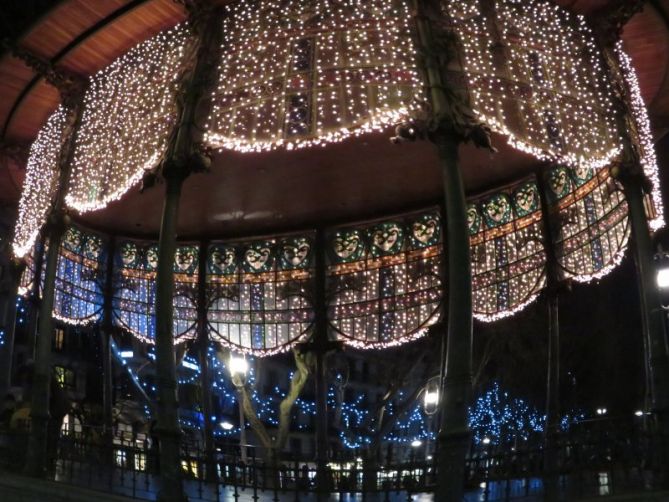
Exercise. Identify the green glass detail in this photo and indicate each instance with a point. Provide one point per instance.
(258, 257)
(526, 199)
(152, 258)
(129, 254)
(473, 219)
(582, 175)
(425, 231)
(295, 253)
(185, 260)
(386, 239)
(497, 210)
(222, 260)
(348, 246)
(559, 182)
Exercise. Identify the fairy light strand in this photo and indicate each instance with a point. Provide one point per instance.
(301, 74)
(41, 183)
(129, 112)
(645, 139)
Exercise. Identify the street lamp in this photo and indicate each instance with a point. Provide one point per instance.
(239, 367)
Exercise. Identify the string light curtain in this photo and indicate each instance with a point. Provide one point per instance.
(507, 250)
(592, 222)
(535, 74)
(302, 72)
(41, 183)
(644, 138)
(135, 290)
(260, 293)
(384, 281)
(130, 109)
(80, 276)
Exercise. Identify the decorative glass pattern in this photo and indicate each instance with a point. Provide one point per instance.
(259, 293)
(80, 278)
(295, 72)
(590, 212)
(534, 73)
(384, 281)
(507, 251)
(135, 290)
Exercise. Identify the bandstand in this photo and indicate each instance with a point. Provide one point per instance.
(260, 176)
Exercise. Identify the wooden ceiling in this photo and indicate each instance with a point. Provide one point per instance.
(258, 193)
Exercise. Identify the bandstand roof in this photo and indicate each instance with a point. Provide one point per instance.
(252, 193)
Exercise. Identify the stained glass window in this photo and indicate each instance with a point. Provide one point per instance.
(590, 212)
(534, 73)
(80, 274)
(135, 290)
(507, 251)
(296, 72)
(384, 282)
(259, 293)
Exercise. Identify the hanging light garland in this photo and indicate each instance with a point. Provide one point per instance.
(130, 109)
(541, 83)
(645, 136)
(41, 183)
(296, 74)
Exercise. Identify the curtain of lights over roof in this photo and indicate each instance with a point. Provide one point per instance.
(507, 251)
(535, 74)
(129, 112)
(384, 281)
(259, 293)
(135, 290)
(40, 183)
(304, 72)
(590, 212)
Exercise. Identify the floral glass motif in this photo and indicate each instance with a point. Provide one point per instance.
(135, 290)
(590, 213)
(259, 293)
(507, 251)
(78, 296)
(301, 72)
(533, 72)
(384, 281)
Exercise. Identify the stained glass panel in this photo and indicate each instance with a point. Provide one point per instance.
(259, 293)
(135, 290)
(296, 72)
(590, 212)
(507, 251)
(534, 73)
(80, 274)
(384, 282)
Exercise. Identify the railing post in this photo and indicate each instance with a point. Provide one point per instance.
(57, 221)
(184, 156)
(203, 348)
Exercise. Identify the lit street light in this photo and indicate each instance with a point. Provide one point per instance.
(239, 367)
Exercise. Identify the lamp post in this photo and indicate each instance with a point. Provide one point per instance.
(239, 367)
(431, 406)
